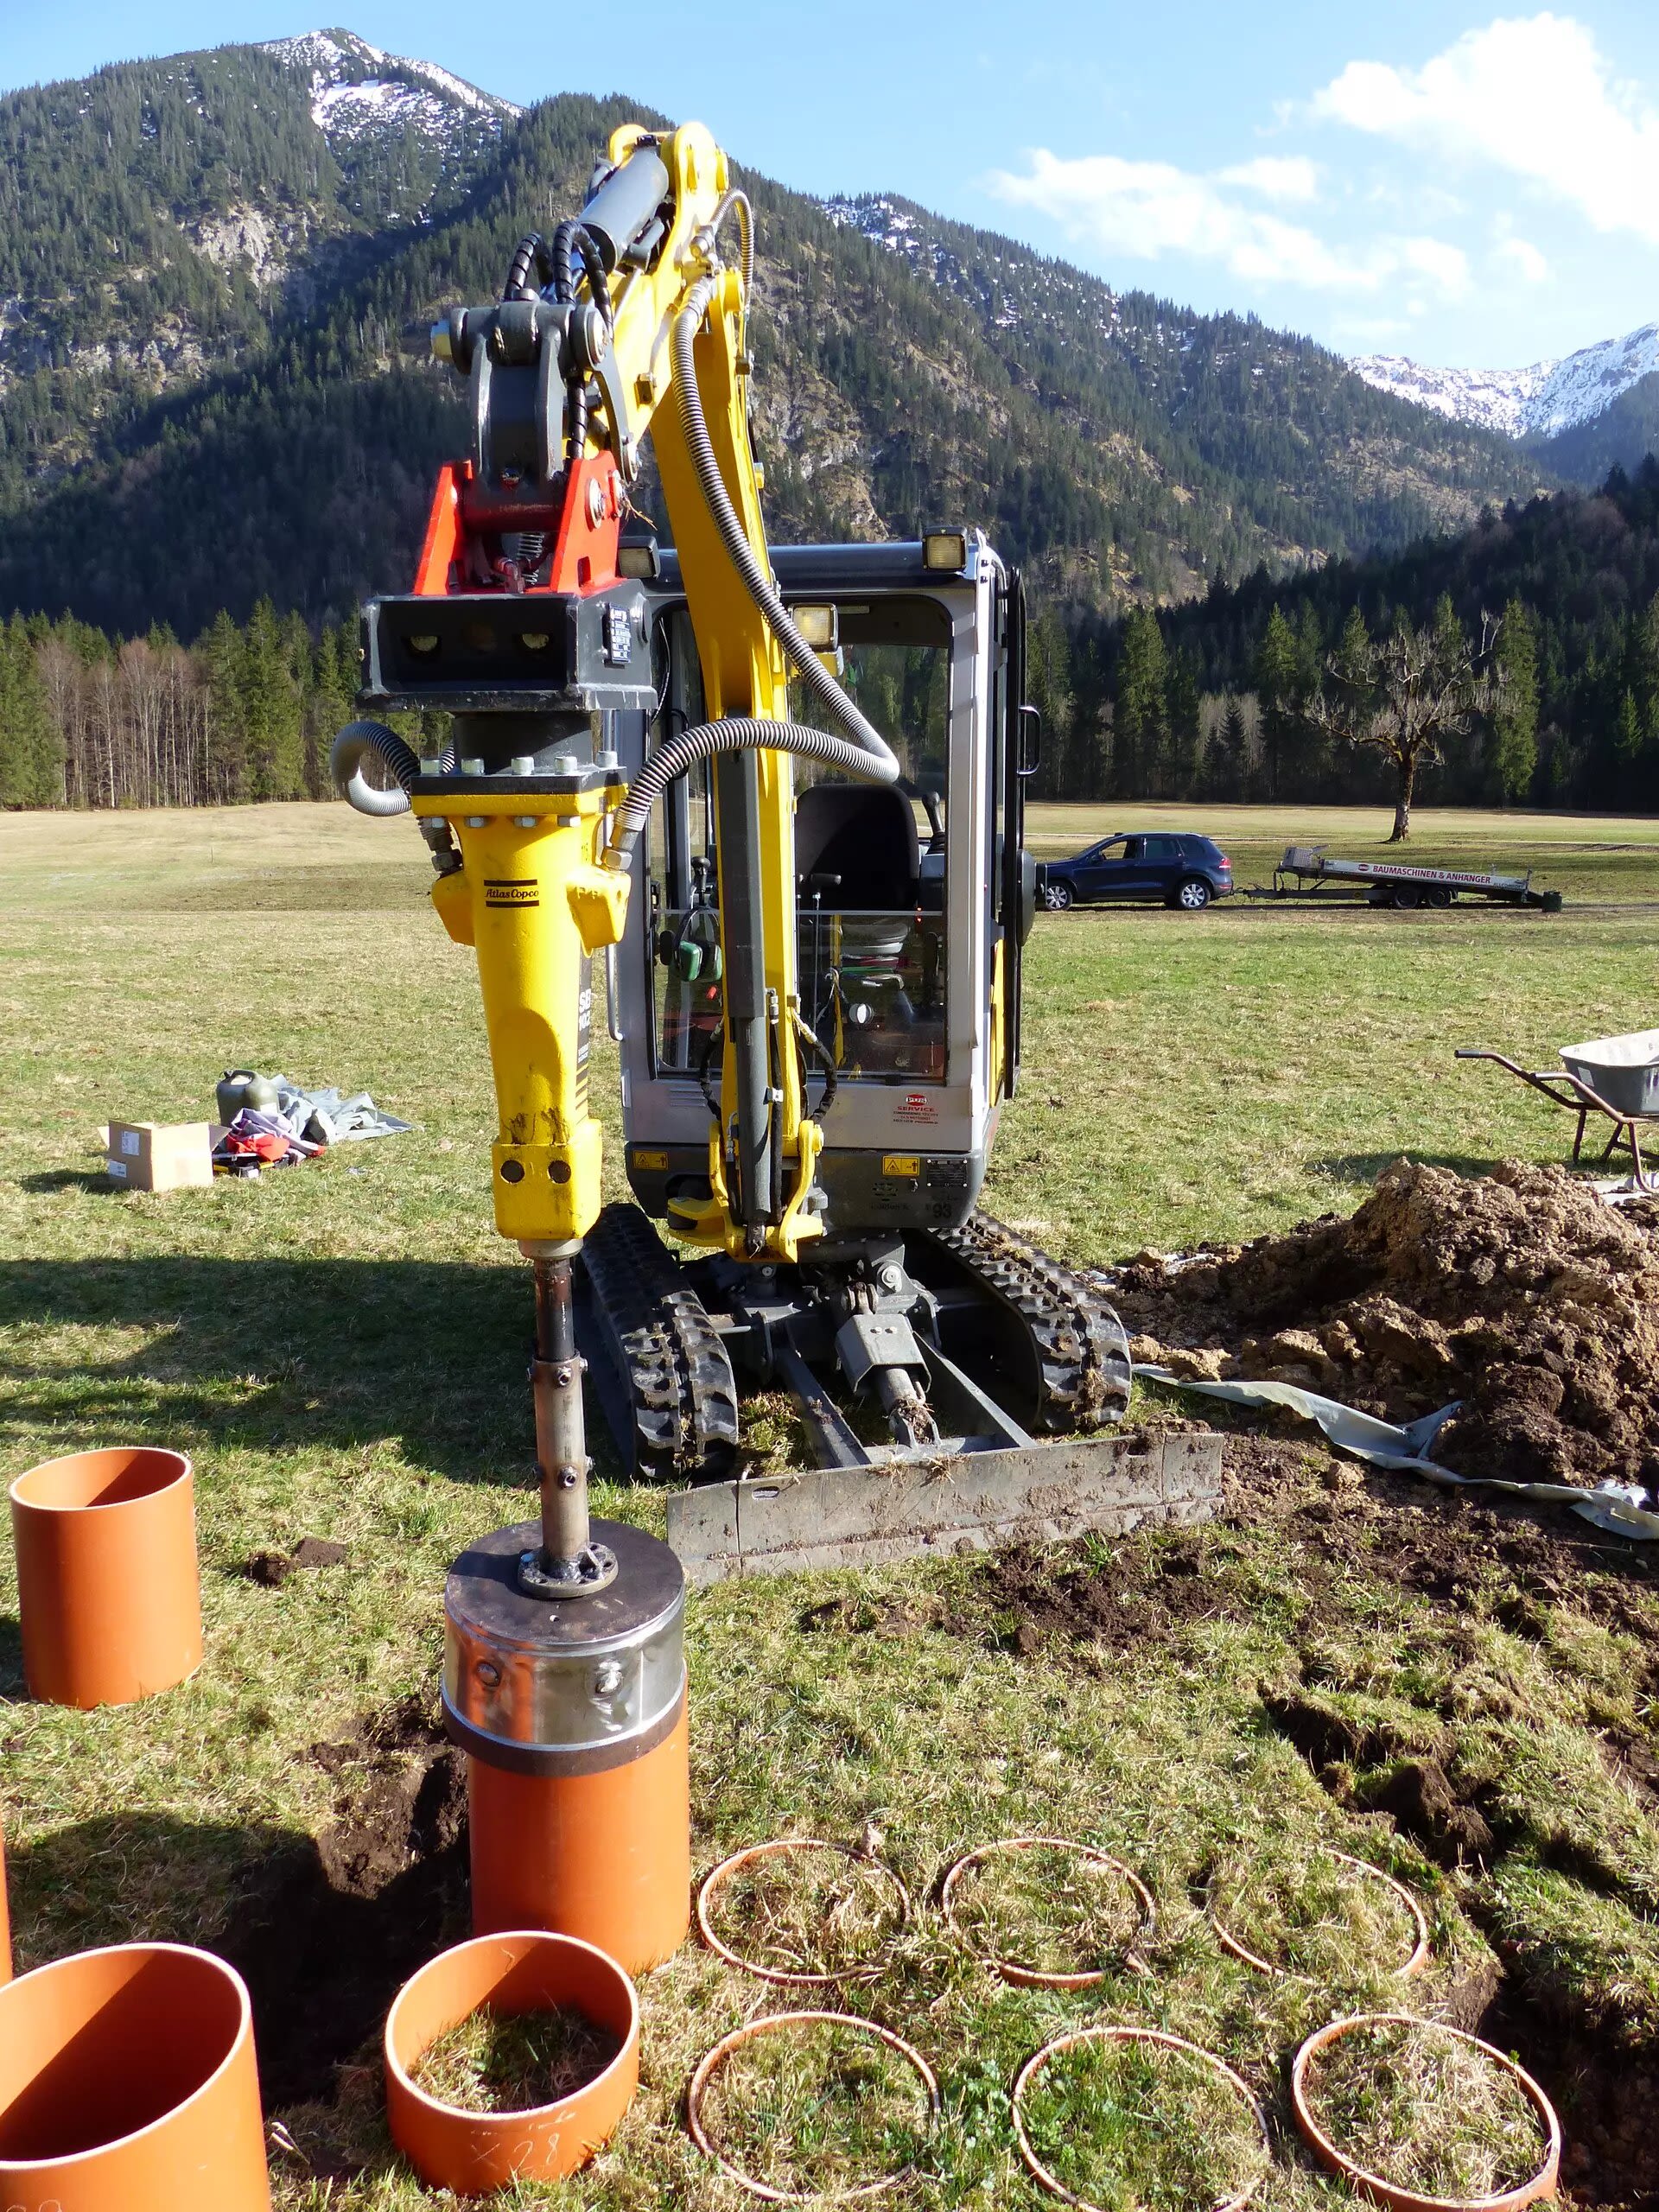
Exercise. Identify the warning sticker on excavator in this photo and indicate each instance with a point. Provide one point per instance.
(512, 891)
(901, 1163)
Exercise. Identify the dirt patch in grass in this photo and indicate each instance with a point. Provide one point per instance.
(1128, 1597)
(325, 1932)
(512, 2062)
(1519, 1294)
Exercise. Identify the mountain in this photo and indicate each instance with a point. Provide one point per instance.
(1577, 571)
(1582, 415)
(217, 272)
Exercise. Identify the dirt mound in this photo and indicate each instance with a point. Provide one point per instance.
(326, 1931)
(1520, 1293)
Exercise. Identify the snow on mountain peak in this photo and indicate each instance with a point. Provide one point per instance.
(356, 87)
(1535, 401)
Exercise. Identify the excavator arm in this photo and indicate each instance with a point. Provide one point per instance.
(629, 319)
(639, 326)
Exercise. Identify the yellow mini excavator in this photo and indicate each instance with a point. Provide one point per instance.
(778, 791)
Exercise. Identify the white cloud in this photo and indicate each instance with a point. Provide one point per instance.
(1520, 259)
(1145, 209)
(1531, 95)
(1284, 177)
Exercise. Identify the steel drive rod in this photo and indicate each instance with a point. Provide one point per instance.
(561, 1442)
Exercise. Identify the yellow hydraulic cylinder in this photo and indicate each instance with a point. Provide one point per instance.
(531, 896)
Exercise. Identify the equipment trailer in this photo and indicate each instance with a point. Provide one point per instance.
(1398, 883)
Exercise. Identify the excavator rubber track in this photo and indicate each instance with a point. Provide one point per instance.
(666, 1350)
(1080, 1372)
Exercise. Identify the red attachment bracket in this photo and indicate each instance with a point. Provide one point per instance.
(584, 552)
(442, 544)
(584, 549)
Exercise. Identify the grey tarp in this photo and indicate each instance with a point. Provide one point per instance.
(1613, 1506)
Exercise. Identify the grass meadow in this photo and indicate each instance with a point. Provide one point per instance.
(341, 1350)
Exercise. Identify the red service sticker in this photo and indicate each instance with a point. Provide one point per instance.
(917, 1106)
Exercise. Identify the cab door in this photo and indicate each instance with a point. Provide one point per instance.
(1165, 865)
(1114, 870)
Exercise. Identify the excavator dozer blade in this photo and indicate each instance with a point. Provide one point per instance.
(842, 1517)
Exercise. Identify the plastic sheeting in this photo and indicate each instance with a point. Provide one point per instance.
(1617, 1507)
(327, 1118)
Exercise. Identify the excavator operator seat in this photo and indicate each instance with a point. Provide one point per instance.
(856, 845)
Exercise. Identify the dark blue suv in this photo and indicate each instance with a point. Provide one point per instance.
(1181, 871)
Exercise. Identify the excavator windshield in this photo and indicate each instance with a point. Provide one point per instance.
(869, 861)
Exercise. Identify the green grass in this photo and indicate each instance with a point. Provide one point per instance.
(341, 1349)
(1425, 2111)
(512, 2062)
(817, 2105)
(1048, 1908)
(813, 1911)
(1135, 2126)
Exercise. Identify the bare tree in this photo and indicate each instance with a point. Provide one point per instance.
(1406, 694)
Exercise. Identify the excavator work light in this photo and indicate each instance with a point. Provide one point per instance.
(945, 549)
(818, 627)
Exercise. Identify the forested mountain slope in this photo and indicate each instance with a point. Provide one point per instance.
(217, 272)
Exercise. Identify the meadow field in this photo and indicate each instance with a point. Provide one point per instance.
(341, 1350)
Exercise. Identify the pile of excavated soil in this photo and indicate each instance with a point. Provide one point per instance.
(1520, 1293)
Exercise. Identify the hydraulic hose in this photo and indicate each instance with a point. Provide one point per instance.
(871, 756)
(360, 741)
(866, 753)
(735, 200)
(735, 734)
(531, 253)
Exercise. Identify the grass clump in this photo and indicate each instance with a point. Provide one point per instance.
(1315, 1913)
(1423, 2108)
(1133, 2126)
(812, 1911)
(817, 2107)
(1048, 1908)
(512, 2062)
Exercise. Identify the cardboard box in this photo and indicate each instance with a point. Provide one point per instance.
(160, 1155)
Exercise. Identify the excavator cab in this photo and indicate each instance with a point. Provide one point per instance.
(913, 899)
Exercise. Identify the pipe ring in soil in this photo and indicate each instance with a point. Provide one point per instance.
(1417, 1959)
(1012, 1970)
(1380, 2191)
(795, 1977)
(1165, 2041)
(767, 2024)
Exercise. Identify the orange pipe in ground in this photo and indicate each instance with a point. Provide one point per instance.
(127, 2084)
(472, 2152)
(5, 1921)
(606, 1856)
(107, 1588)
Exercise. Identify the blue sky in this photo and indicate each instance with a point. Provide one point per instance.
(1464, 186)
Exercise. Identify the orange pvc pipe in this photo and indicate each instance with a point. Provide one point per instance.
(605, 1857)
(107, 1586)
(127, 2084)
(473, 2152)
(5, 1921)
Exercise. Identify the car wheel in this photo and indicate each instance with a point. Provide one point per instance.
(1056, 897)
(1192, 894)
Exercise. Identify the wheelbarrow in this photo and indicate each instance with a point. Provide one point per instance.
(1616, 1077)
